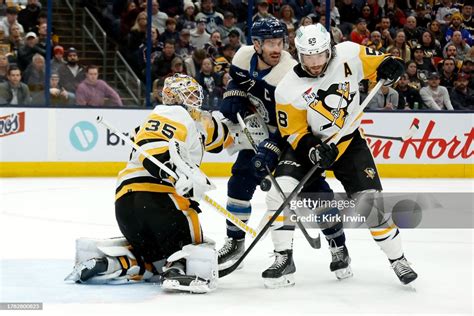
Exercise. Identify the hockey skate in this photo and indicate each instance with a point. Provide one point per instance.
(230, 252)
(340, 263)
(281, 273)
(175, 279)
(403, 271)
(83, 271)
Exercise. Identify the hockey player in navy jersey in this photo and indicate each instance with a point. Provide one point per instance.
(256, 70)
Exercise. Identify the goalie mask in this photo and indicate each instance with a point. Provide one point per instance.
(186, 91)
(314, 47)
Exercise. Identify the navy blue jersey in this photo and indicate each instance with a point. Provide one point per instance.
(259, 85)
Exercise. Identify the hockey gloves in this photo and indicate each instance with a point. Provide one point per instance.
(266, 156)
(324, 155)
(234, 102)
(390, 69)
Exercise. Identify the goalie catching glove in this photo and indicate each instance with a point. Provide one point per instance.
(191, 179)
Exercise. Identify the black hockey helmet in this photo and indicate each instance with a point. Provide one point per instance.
(268, 28)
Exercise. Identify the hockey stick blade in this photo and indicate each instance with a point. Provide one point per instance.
(411, 132)
(313, 242)
(292, 195)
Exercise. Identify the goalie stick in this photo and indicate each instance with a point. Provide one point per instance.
(335, 138)
(313, 242)
(228, 215)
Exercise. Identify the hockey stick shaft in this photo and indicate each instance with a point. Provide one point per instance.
(228, 215)
(313, 242)
(334, 139)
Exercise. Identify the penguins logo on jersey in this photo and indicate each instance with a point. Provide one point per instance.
(332, 103)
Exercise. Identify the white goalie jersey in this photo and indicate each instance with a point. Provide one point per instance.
(323, 104)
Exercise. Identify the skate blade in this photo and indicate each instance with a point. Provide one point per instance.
(194, 288)
(283, 281)
(345, 273)
(75, 275)
(229, 263)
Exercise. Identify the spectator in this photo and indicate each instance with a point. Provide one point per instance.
(395, 51)
(177, 66)
(412, 32)
(434, 96)
(34, 78)
(385, 99)
(214, 45)
(444, 8)
(158, 18)
(137, 35)
(423, 63)
(59, 95)
(162, 64)
(193, 63)
(302, 8)
(94, 92)
(26, 52)
(408, 97)
(457, 25)
(401, 44)
(423, 16)
(58, 59)
(170, 32)
(462, 49)
(172, 8)
(450, 51)
(386, 31)
(187, 19)
(430, 48)
(448, 73)
(291, 45)
(462, 97)
(128, 19)
(394, 13)
(11, 19)
(228, 6)
(348, 18)
(287, 16)
(367, 14)
(228, 26)
(376, 41)
(227, 53)
(416, 80)
(13, 91)
(156, 49)
(262, 11)
(29, 15)
(199, 36)
(435, 29)
(468, 68)
(234, 40)
(212, 18)
(336, 33)
(184, 49)
(210, 84)
(306, 20)
(360, 34)
(3, 8)
(3, 67)
(468, 23)
(71, 74)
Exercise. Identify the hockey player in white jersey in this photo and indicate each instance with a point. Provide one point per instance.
(313, 102)
(255, 72)
(158, 215)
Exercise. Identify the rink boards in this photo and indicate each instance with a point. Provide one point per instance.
(68, 142)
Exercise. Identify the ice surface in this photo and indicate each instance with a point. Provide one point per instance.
(40, 218)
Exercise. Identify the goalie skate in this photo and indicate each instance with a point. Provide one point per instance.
(83, 271)
(340, 263)
(175, 279)
(281, 272)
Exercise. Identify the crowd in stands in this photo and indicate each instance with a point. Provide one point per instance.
(200, 37)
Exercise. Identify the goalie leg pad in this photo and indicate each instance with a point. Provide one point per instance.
(201, 269)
